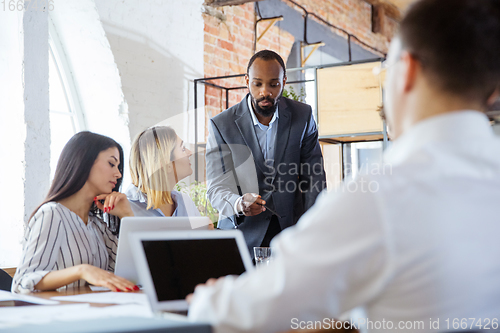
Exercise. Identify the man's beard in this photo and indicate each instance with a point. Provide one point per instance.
(267, 111)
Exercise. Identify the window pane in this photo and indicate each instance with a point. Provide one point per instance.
(62, 126)
(57, 95)
(61, 130)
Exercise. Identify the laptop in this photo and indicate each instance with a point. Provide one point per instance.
(172, 264)
(125, 266)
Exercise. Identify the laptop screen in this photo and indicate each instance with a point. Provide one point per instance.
(177, 266)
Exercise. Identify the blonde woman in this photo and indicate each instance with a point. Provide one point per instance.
(159, 160)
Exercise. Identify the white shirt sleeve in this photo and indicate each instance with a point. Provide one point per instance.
(42, 242)
(334, 259)
(236, 205)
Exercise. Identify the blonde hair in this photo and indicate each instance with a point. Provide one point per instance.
(152, 150)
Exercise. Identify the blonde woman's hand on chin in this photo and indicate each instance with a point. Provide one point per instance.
(115, 203)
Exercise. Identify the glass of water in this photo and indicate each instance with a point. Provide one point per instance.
(262, 256)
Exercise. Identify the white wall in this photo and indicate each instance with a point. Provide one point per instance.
(36, 109)
(93, 68)
(11, 142)
(24, 124)
(158, 47)
(131, 63)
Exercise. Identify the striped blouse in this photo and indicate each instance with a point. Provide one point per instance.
(56, 238)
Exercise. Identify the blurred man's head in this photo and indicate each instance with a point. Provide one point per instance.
(445, 57)
(266, 77)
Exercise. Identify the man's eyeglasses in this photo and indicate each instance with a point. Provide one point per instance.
(384, 65)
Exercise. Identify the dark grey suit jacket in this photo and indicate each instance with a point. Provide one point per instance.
(235, 166)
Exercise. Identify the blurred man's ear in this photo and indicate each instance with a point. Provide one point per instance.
(411, 67)
(246, 80)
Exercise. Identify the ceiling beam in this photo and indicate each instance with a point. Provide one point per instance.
(402, 4)
(220, 3)
(389, 8)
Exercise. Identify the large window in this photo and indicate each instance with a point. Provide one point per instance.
(66, 118)
(62, 121)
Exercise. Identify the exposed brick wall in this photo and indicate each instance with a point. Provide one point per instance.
(229, 41)
(354, 16)
(229, 47)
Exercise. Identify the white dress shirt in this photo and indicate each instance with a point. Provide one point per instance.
(413, 241)
(57, 238)
(266, 135)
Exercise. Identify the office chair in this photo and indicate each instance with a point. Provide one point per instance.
(5, 280)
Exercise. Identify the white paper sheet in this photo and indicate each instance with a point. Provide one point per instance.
(20, 315)
(36, 314)
(126, 310)
(8, 296)
(98, 288)
(107, 298)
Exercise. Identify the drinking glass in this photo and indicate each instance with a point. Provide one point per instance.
(262, 256)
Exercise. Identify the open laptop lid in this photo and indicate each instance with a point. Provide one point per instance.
(171, 264)
(125, 266)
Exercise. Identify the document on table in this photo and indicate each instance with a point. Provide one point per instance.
(8, 296)
(98, 288)
(106, 298)
(16, 316)
(126, 310)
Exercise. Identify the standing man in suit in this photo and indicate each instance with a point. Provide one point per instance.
(263, 151)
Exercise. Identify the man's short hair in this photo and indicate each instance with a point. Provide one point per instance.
(458, 44)
(267, 55)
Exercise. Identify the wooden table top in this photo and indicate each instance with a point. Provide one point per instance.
(71, 291)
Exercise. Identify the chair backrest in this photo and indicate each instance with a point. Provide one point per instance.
(5, 280)
(11, 270)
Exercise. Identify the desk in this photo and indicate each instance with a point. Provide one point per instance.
(120, 324)
(115, 324)
(70, 292)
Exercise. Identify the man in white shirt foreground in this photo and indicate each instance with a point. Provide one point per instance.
(417, 246)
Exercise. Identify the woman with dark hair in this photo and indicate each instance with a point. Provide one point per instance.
(67, 242)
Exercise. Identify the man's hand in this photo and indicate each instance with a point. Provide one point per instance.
(251, 204)
(210, 282)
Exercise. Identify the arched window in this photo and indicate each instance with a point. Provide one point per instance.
(66, 117)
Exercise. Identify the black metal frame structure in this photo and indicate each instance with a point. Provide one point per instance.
(331, 138)
(205, 82)
(322, 20)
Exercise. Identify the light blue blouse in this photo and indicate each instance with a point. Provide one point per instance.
(184, 206)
